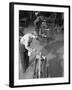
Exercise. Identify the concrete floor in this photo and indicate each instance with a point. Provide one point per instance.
(53, 49)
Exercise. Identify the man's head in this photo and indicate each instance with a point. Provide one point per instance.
(37, 13)
(34, 34)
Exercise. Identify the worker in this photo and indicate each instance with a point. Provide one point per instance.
(38, 22)
(25, 49)
(39, 59)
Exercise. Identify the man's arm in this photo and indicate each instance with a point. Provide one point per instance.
(35, 22)
(28, 47)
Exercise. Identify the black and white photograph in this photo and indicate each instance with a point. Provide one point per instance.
(41, 44)
(41, 51)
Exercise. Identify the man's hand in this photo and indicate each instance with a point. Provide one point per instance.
(31, 51)
(34, 50)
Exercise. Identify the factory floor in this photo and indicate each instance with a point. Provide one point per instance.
(52, 48)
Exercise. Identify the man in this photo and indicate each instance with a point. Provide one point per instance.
(25, 49)
(44, 28)
(38, 21)
(38, 70)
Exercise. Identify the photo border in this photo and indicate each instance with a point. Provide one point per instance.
(11, 43)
